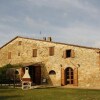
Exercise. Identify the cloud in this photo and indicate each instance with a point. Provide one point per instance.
(64, 4)
(79, 33)
(40, 24)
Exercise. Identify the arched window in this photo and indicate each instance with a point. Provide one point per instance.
(52, 72)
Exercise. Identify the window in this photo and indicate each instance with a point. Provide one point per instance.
(19, 42)
(18, 53)
(51, 51)
(52, 72)
(9, 55)
(34, 52)
(69, 53)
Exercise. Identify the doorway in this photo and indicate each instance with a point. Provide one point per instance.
(69, 76)
(35, 74)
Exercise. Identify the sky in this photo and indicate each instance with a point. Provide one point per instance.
(66, 21)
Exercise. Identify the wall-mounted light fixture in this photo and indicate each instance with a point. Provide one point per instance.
(60, 65)
(78, 65)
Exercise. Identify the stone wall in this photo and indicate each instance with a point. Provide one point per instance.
(86, 60)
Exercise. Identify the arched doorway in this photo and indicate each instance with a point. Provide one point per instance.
(69, 76)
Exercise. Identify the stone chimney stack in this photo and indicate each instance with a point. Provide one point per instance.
(44, 38)
(49, 39)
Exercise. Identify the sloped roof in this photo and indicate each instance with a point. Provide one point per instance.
(48, 41)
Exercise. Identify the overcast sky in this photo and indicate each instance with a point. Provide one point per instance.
(69, 21)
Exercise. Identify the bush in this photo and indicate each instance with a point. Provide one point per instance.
(8, 74)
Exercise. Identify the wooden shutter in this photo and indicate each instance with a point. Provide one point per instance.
(76, 77)
(51, 51)
(62, 77)
(9, 55)
(18, 53)
(64, 54)
(19, 42)
(72, 53)
(34, 52)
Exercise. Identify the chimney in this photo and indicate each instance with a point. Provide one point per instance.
(26, 80)
(44, 38)
(49, 39)
(26, 76)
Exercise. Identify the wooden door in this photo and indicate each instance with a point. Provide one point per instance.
(38, 75)
(69, 76)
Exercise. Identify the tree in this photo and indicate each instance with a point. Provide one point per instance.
(3, 69)
(9, 74)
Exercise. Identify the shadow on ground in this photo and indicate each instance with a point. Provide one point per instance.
(10, 97)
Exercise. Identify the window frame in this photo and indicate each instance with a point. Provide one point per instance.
(34, 54)
(9, 55)
(18, 53)
(51, 51)
(19, 42)
(52, 72)
(69, 75)
(71, 55)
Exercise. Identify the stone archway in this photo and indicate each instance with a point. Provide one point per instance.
(69, 76)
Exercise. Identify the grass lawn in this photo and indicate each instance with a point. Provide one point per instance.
(49, 94)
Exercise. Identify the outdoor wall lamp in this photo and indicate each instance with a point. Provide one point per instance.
(78, 65)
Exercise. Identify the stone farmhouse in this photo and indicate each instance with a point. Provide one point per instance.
(58, 63)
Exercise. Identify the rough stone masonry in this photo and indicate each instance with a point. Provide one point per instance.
(60, 64)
